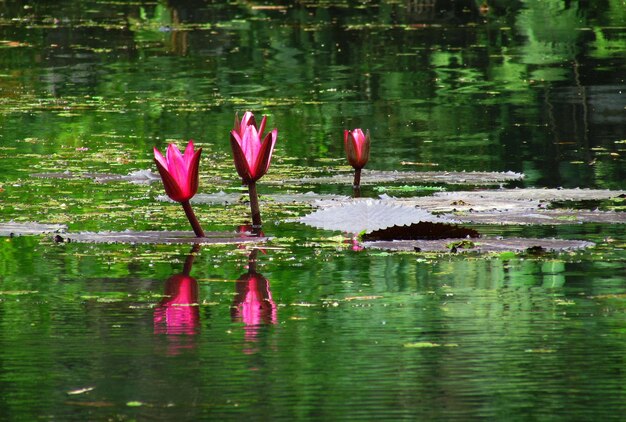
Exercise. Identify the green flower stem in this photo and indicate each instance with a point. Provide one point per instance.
(192, 219)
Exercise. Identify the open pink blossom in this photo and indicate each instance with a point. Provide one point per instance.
(357, 146)
(252, 151)
(179, 172)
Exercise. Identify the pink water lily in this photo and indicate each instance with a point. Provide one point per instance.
(357, 146)
(179, 173)
(252, 153)
(252, 150)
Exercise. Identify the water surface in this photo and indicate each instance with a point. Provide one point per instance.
(96, 332)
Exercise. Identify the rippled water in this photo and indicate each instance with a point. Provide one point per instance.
(312, 329)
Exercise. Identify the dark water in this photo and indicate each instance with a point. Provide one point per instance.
(92, 332)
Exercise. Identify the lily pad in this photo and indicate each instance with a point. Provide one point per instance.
(139, 176)
(368, 215)
(438, 203)
(482, 245)
(369, 177)
(159, 237)
(532, 194)
(29, 228)
(542, 217)
(230, 198)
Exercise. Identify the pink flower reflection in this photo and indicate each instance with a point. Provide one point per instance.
(253, 304)
(178, 312)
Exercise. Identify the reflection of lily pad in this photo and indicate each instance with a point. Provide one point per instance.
(482, 245)
(368, 215)
(18, 229)
(369, 177)
(542, 217)
(160, 237)
(230, 198)
(421, 230)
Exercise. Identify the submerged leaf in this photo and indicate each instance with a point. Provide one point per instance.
(368, 215)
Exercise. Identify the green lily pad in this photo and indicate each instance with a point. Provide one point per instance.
(369, 177)
(159, 237)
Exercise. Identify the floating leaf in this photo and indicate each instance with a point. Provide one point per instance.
(482, 245)
(369, 177)
(368, 215)
(542, 217)
(139, 176)
(500, 199)
(533, 194)
(29, 228)
(134, 403)
(421, 230)
(421, 345)
(80, 391)
(18, 292)
(231, 198)
(159, 237)
(462, 201)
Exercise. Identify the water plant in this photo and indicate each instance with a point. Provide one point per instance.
(252, 152)
(179, 173)
(357, 146)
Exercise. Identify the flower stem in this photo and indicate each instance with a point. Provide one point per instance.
(252, 261)
(254, 206)
(190, 258)
(192, 219)
(357, 179)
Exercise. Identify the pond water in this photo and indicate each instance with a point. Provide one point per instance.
(92, 331)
